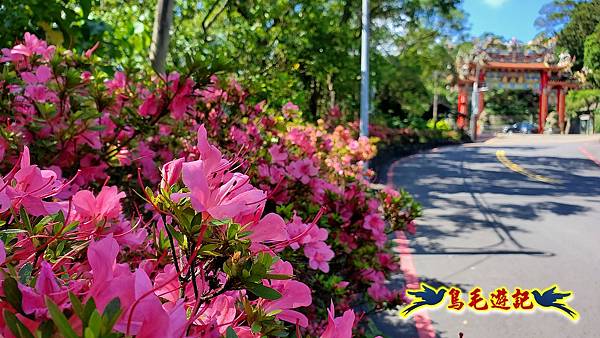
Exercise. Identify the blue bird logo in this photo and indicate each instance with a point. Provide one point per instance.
(552, 298)
(425, 296)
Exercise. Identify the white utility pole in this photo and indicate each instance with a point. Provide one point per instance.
(435, 98)
(474, 104)
(364, 71)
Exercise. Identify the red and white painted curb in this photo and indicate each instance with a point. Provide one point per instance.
(422, 321)
(584, 151)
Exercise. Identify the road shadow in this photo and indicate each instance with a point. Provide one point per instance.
(436, 179)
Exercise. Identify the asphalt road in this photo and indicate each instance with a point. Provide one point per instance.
(531, 225)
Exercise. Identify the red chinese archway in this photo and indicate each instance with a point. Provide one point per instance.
(512, 65)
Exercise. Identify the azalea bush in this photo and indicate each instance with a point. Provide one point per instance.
(174, 205)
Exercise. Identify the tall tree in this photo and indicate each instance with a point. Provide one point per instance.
(592, 57)
(160, 35)
(583, 20)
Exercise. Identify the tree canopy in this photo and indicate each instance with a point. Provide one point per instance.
(304, 51)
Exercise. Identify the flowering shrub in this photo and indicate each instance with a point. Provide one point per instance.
(211, 249)
(348, 255)
(223, 278)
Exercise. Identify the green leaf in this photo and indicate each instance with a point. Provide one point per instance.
(230, 333)
(232, 230)
(97, 127)
(13, 294)
(88, 309)
(274, 313)
(89, 333)
(197, 219)
(256, 327)
(263, 291)
(25, 219)
(277, 276)
(42, 223)
(12, 231)
(25, 273)
(15, 325)
(95, 323)
(76, 304)
(178, 235)
(111, 313)
(59, 248)
(60, 320)
(47, 329)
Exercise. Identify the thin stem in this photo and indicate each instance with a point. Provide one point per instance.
(175, 259)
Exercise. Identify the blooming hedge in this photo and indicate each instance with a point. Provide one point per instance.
(174, 206)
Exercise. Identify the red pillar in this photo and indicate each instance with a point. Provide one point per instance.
(463, 110)
(544, 111)
(543, 101)
(560, 99)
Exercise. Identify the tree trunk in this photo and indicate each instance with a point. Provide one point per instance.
(314, 99)
(331, 90)
(163, 19)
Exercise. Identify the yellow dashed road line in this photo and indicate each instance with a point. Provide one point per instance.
(501, 155)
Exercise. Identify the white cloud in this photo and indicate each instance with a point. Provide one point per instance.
(495, 3)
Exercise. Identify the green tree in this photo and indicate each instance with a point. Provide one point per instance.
(583, 20)
(66, 23)
(592, 57)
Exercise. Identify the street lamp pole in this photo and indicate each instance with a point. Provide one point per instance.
(474, 105)
(435, 99)
(364, 71)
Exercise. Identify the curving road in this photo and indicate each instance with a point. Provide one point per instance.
(519, 211)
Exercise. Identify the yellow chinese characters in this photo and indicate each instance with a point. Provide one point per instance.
(499, 300)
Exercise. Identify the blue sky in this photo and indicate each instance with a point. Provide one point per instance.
(508, 18)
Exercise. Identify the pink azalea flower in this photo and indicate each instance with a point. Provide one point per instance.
(290, 107)
(339, 327)
(5, 201)
(342, 285)
(374, 222)
(146, 159)
(117, 83)
(296, 228)
(2, 254)
(171, 172)
(270, 228)
(33, 45)
(212, 191)
(107, 205)
(31, 186)
(112, 280)
(246, 332)
(45, 285)
(411, 227)
(294, 294)
(278, 155)
(236, 197)
(386, 261)
(373, 275)
(379, 292)
(149, 107)
(183, 99)
(319, 254)
(88, 53)
(221, 312)
(86, 76)
(303, 170)
(42, 75)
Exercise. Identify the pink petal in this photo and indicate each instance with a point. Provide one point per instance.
(293, 317)
(102, 256)
(270, 228)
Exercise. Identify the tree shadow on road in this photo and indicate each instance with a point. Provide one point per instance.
(473, 192)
